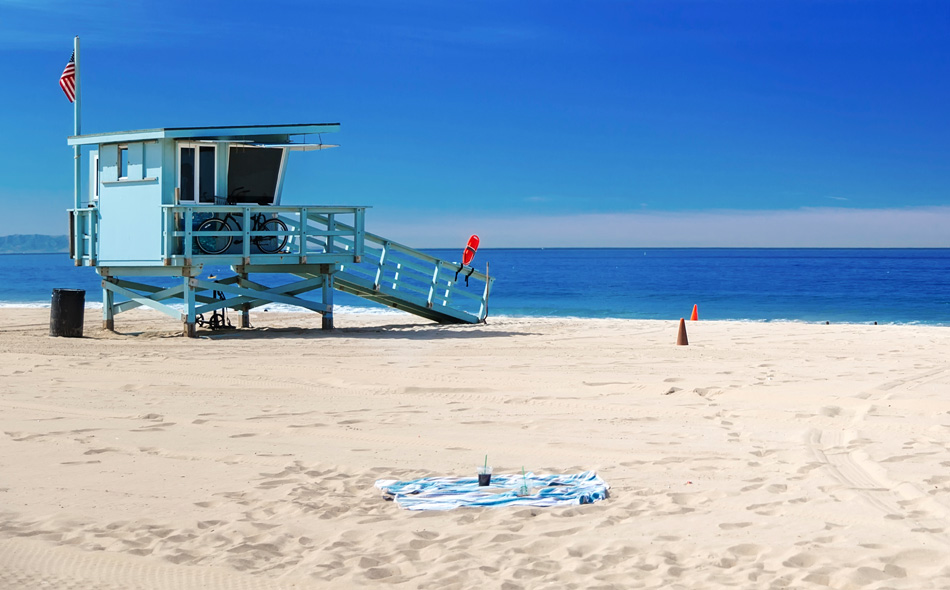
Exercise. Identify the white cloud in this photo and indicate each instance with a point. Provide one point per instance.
(811, 227)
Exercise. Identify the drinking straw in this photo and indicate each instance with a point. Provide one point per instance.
(486, 463)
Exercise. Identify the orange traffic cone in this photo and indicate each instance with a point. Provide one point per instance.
(681, 339)
(695, 315)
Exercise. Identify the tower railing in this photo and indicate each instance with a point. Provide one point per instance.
(312, 234)
(84, 236)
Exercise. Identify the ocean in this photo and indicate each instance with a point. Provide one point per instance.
(887, 286)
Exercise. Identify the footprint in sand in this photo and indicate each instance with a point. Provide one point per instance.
(765, 509)
(746, 549)
(830, 411)
(103, 450)
(562, 533)
(506, 538)
(800, 561)
(159, 427)
(20, 436)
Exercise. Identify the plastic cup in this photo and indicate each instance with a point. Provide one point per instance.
(484, 475)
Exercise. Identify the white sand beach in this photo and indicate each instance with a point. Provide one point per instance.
(762, 455)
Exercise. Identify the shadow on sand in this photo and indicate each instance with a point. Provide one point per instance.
(389, 332)
(407, 331)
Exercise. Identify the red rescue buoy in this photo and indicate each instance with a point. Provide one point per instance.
(470, 249)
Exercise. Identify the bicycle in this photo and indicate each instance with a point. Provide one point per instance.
(268, 244)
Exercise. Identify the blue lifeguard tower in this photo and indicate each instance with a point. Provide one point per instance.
(169, 202)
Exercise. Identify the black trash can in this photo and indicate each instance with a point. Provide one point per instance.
(66, 313)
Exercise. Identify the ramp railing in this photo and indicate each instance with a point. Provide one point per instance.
(401, 277)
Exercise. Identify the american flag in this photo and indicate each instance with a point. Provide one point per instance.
(68, 80)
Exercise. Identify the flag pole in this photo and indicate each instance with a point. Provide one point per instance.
(76, 129)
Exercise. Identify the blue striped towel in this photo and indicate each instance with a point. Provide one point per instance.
(446, 493)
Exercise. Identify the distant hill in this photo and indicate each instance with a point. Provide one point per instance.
(33, 244)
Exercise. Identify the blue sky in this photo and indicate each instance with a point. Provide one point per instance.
(624, 123)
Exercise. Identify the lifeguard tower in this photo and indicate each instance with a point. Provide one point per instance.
(168, 202)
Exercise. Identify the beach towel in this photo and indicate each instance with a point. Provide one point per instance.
(446, 493)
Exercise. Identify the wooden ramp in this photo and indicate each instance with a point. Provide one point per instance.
(404, 278)
(349, 283)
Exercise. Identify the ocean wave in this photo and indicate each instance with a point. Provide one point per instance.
(42, 304)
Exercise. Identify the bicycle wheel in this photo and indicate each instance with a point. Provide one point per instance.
(273, 243)
(213, 244)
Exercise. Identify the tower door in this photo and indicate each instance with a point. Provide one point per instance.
(196, 173)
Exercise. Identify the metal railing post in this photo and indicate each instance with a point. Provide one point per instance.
(432, 285)
(189, 222)
(246, 229)
(379, 266)
(78, 236)
(359, 231)
(93, 235)
(303, 222)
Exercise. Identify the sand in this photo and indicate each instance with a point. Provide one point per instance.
(762, 455)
